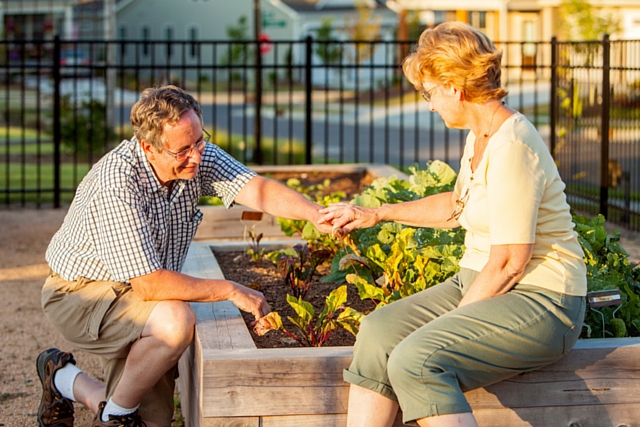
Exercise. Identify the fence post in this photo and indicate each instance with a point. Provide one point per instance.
(604, 144)
(308, 101)
(57, 99)
(257, 118)
(553, 105)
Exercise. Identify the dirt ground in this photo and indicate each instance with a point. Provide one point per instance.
(24, 236)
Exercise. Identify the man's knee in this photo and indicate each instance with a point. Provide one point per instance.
(172, 322)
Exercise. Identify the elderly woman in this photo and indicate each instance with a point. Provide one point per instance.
(518, 301)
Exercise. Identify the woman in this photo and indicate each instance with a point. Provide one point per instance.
(518, 301)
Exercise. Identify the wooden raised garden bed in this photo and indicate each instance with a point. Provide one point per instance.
(226, 381)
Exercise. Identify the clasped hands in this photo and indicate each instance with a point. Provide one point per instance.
(344, 218)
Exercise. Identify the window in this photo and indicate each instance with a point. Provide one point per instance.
(146, 35)
(193, 37)
(122, 36)
(478, 19)
(168, 36)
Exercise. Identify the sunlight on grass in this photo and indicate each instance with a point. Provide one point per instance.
(14, 133)
(30, 177)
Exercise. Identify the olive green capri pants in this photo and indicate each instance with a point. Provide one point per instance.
(424, 352)
(105, 319)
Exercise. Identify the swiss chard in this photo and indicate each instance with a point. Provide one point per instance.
(315, 331)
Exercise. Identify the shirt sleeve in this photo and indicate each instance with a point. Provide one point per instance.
(121, 236)
(515, 184)
(222, 175)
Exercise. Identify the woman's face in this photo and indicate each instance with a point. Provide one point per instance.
(443, 100)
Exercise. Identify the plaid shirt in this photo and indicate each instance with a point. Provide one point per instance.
(124, 224)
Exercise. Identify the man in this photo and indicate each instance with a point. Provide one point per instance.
(116, 289)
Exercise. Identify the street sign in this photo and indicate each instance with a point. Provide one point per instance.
(269, 20)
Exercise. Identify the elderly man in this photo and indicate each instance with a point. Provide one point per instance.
(116, 289)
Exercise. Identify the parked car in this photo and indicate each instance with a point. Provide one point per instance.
(75, 62)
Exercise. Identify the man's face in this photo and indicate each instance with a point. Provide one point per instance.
(183, 135)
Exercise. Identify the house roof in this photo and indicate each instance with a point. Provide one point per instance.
(327, 5)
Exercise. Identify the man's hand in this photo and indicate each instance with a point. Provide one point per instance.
(249, 300)
(344, 218)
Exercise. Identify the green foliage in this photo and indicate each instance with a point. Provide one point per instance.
(608, 268)
(581, 21)
(83, 128)
(316, 331)
(399, 260)
(255, 252)
(238, 53)
(299, 268)
(330, 51)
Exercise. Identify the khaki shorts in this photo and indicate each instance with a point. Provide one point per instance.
(105, 319)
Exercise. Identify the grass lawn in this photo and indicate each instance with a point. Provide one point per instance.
(32, 177)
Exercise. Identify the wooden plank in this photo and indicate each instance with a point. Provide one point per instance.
(328, 420)
(309, 381)
(613, 415)
(275, 381)
(201, 262)
(229, 422)
(220, 223)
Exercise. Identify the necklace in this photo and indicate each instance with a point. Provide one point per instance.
(486, 135)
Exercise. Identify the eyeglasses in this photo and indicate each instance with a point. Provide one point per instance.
(460, 204)
(188, 152)
(426, 94)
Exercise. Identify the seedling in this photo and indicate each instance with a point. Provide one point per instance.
(298, 270)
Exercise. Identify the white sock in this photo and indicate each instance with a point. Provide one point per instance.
(112, 409)
(64, 378)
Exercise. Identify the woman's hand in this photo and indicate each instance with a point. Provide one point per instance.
(345, 218)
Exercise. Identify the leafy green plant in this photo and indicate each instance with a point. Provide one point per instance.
(315, 331)
(608, 268)
(255, 252)
(83, 128)
(391, 261)
(330, 49)
(299, 268)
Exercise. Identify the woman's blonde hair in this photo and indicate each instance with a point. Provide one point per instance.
(458, 55)
(157, 106)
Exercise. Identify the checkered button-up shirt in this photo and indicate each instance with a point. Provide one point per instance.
(123, 224)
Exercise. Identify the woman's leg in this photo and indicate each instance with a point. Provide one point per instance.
(371, 395)
(478, 345)
(369, 409)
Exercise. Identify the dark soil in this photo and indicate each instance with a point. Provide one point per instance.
(349, 183)
(237, 266)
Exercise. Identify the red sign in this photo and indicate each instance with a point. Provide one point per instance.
(265, 43)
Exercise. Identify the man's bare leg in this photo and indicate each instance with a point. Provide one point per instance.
(166, 335)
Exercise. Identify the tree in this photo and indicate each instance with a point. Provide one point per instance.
(580, 21)
(364, 28)
(240, 53)
(330, 51)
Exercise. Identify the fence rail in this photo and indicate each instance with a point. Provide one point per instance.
(307, 101)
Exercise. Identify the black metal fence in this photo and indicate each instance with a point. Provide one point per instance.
(67, 103)
(596, 134)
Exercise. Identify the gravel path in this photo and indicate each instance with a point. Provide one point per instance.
(24, 236)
